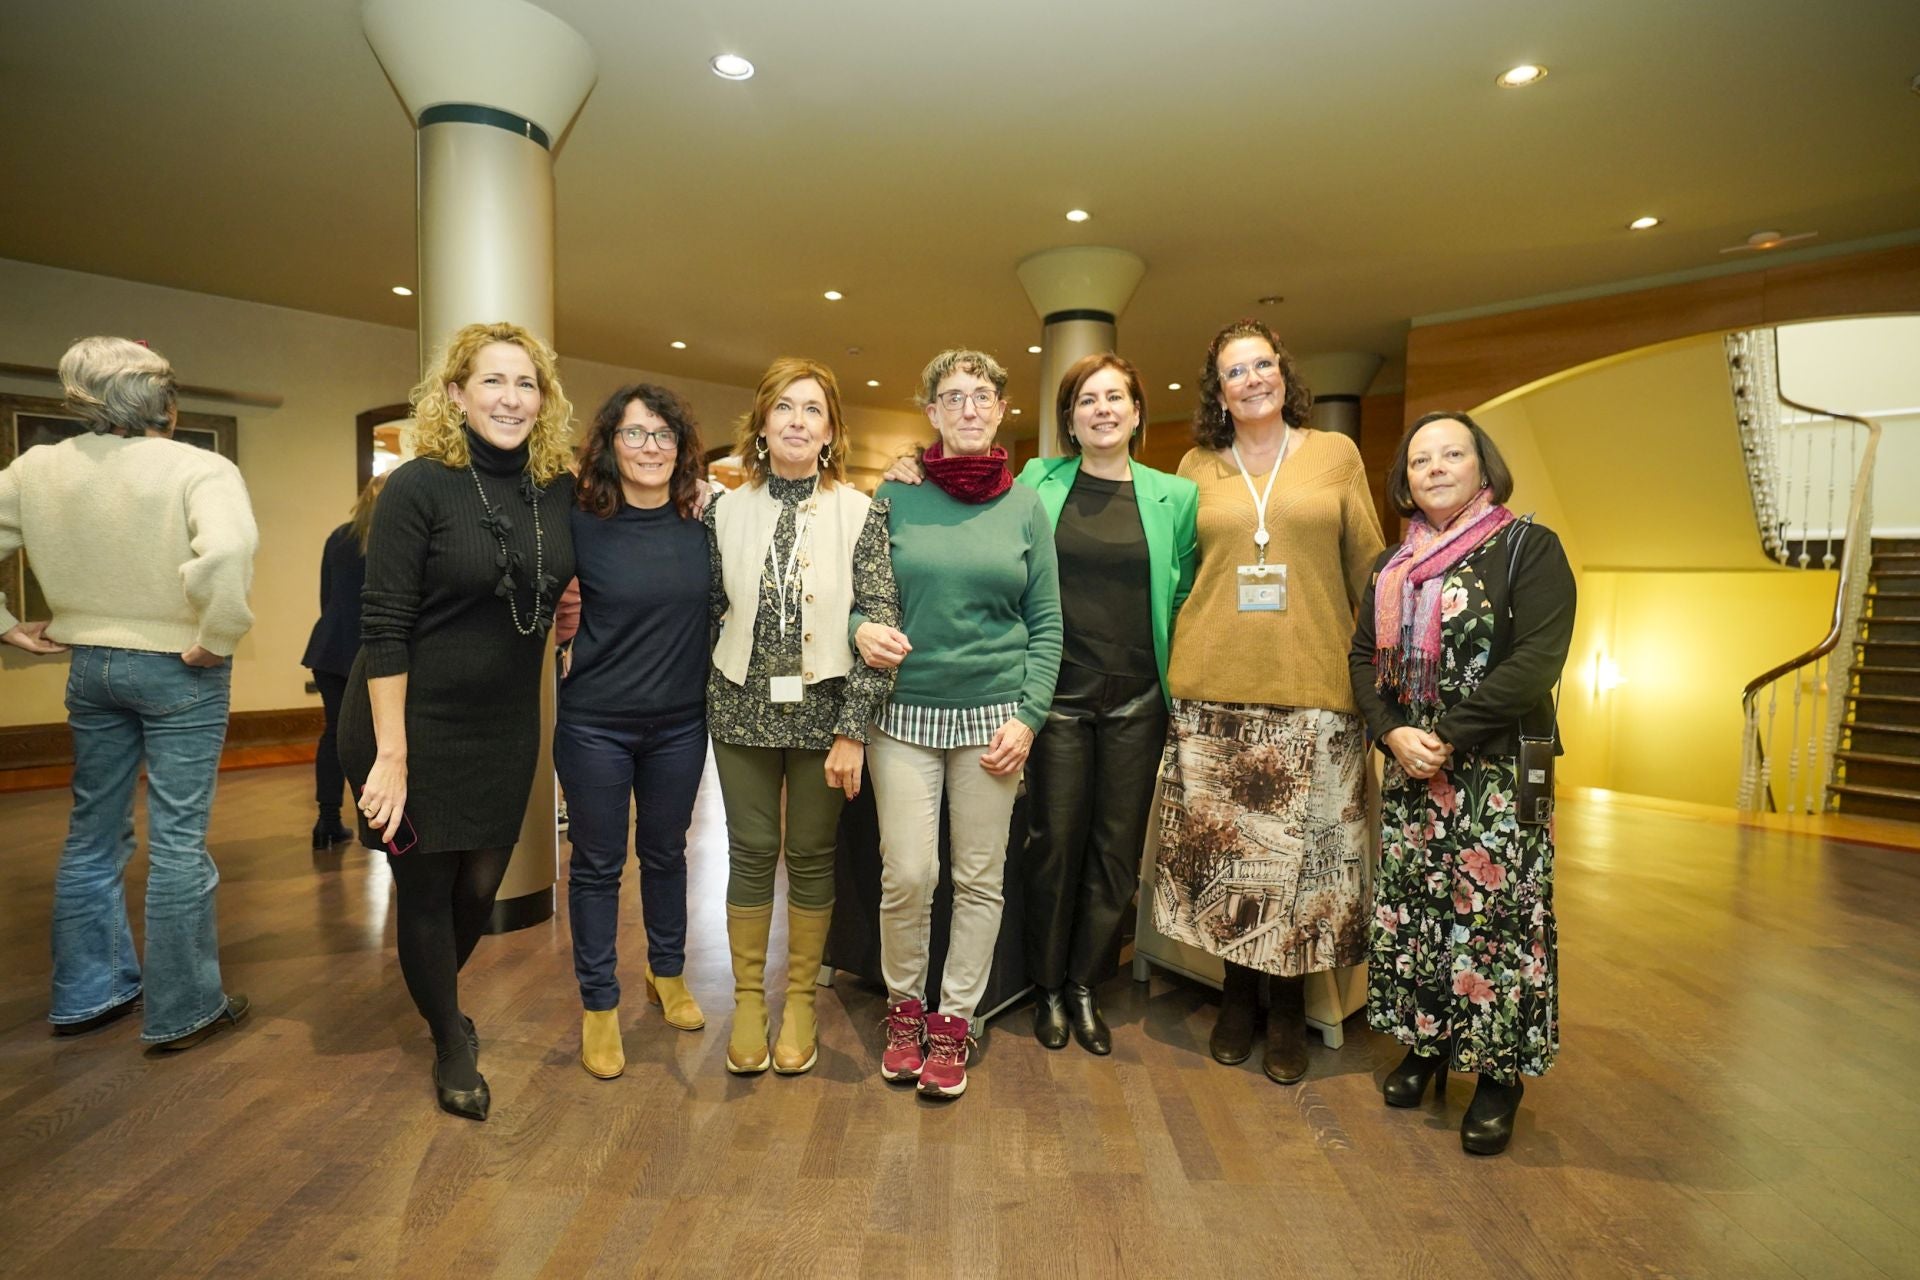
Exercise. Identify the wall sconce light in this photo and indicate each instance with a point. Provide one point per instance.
(1607, 676)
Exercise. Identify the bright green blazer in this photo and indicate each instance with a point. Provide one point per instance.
(1168, 506)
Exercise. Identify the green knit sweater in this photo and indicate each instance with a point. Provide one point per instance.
(979, 600)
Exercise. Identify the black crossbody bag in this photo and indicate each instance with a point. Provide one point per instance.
(1534, 791)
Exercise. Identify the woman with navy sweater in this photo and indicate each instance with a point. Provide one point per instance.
(632, 714)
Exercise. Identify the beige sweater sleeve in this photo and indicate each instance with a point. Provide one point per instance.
(224, 538)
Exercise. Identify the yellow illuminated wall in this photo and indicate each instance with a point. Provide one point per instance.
(1681, 647)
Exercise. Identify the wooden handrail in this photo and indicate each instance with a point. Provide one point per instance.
(1850, 550)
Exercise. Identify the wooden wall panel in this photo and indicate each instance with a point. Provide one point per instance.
(1467, 363)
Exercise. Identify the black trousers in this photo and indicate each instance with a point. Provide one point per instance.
(328, 780)
(1091, 780)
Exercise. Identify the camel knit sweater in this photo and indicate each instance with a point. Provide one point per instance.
(139, 543)
(1322, 522)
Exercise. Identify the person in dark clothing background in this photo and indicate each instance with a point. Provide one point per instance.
(440, 729)
(330, 651)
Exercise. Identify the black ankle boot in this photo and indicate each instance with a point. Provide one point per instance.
(1407, 1083)
(328, 832)
(1489, 1123)
(1083, 1015)
(1050, 1018)
(1232, 1040)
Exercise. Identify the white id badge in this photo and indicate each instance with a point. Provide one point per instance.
(785, 688)
(1263, 588)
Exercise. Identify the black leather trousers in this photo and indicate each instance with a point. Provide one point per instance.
(1090, 778)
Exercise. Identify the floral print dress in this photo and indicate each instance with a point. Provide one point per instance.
(1463, 940)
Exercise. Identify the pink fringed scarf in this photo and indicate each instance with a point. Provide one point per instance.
(1407, 604)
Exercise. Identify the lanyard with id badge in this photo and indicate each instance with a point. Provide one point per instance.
(1263, 586)
(790, 685)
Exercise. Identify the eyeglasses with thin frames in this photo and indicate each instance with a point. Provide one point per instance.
(984, 398)
(1265, 366)
(636, 437)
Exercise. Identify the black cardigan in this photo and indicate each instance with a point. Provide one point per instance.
(1529, 650)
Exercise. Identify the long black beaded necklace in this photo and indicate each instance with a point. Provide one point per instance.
(508, 560)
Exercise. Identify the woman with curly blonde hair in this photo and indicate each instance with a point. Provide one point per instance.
(469, 546)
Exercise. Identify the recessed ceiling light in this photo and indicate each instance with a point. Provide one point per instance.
(833, 295)
(1646, 223)
(731, 66)
(1078, 215)
(1173, 386)
(853, 351)
(678, 345)
(1033, 351)
(403, 291)
(1521, 76)
(1271, 300)
(873, 382)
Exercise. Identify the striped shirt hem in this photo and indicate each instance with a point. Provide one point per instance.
(944, 728)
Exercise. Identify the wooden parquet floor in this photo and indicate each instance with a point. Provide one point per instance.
(1736, 1097)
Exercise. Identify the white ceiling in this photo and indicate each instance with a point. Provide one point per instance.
(1356, 159)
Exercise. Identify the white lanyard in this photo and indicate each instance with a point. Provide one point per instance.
(789, 581)
(1260, 538)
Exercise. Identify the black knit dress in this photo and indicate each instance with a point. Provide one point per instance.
(433, 611)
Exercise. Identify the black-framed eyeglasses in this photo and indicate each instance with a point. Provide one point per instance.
(984, 398)
(636, 437)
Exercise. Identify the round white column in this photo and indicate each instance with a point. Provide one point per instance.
(490, 84)
(1078, 293)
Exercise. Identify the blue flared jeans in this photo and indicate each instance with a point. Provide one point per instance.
(127, 707)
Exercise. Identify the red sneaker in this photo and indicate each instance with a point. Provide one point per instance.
(906, 1024)
(948, 1044)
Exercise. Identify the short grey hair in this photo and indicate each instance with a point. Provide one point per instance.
(119, 387)
(977, 363)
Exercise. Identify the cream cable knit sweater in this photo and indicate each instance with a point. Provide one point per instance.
(140, 543)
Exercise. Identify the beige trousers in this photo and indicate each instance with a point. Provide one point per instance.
(909, 783)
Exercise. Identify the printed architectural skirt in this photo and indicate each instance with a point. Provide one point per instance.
(1263, 836)
(1464, 946)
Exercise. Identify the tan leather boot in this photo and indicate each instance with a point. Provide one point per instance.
(799, 1045)
(601, 1052)
(747, 929)
(676, 1003)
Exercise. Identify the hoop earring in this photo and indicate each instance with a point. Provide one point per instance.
(826, 454)
(760, 448)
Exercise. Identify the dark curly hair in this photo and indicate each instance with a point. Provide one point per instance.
(1212, 425)
(599, 483)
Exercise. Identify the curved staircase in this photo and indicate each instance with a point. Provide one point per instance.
(1879, 758)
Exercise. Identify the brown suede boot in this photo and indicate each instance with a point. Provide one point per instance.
(1232, 1039)
(1287, 1030)
(747, 929)
(799, 1045)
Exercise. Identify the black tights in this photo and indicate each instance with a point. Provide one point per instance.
(444, 900)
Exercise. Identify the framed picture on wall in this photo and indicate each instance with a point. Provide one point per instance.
(27, 422)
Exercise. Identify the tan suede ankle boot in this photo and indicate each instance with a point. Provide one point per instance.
(799, 1045)
(676, 1003)
(601, 1052)
(747, 929)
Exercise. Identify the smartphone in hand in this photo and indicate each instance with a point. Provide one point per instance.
(403, 840)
